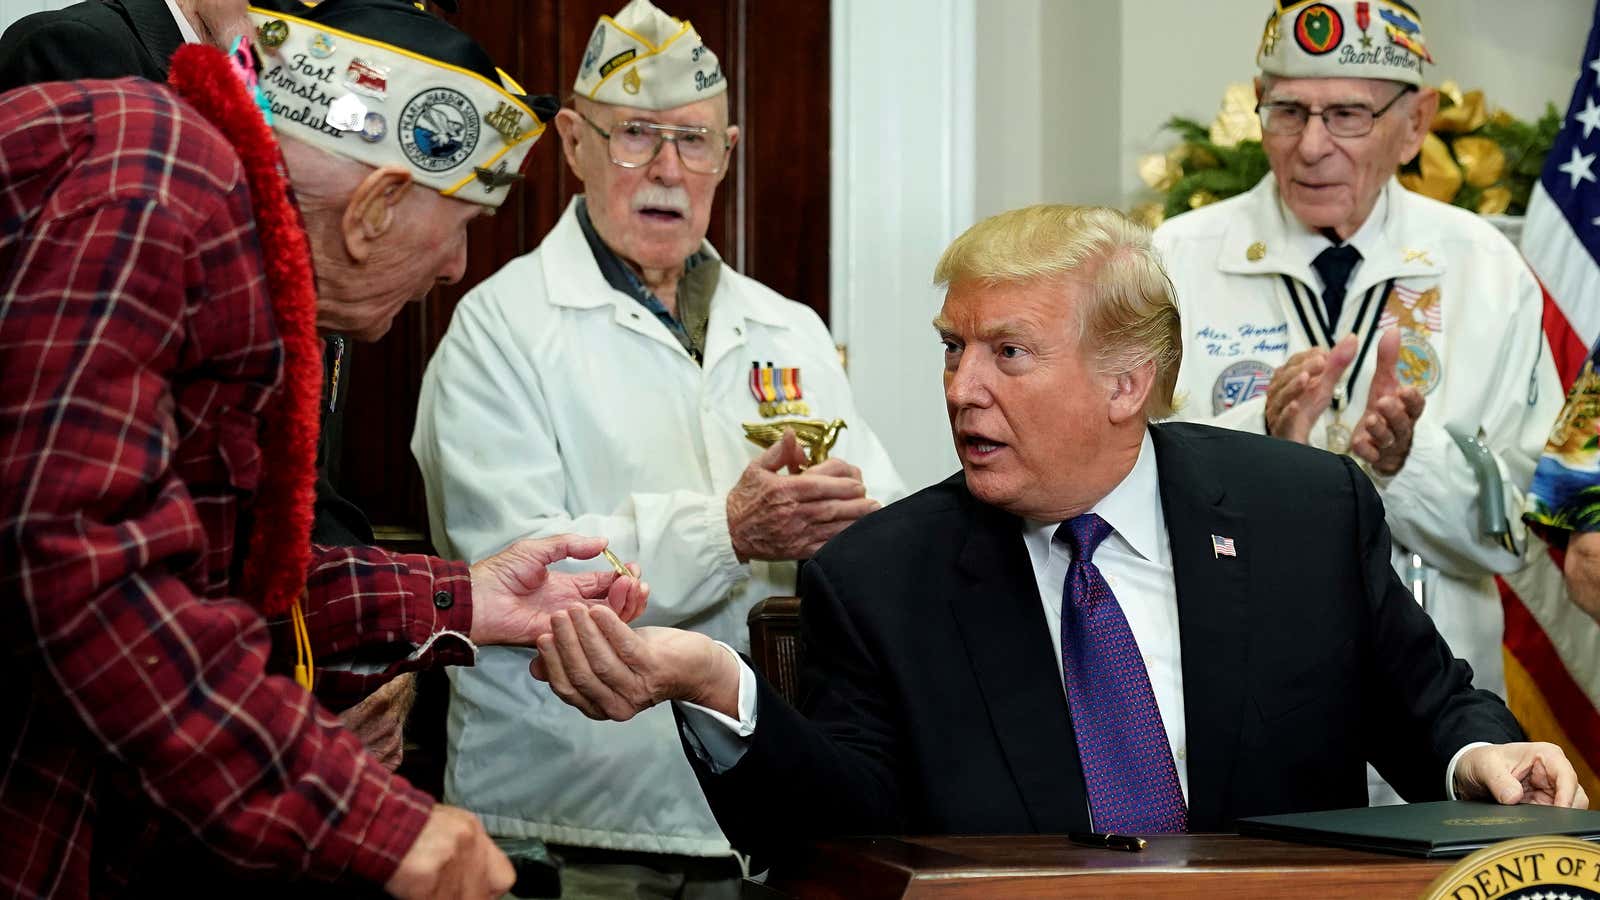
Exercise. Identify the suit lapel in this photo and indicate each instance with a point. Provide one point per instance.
(1002, 623)
(1213, 599)
(158, 33)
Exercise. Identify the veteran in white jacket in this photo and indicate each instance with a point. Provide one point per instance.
(599, 385)
(1331, 306)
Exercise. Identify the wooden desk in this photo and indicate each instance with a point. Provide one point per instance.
(1209, 866)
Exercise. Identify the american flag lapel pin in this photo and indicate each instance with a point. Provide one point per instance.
(1222, 546)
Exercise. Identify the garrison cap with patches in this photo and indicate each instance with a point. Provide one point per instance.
(383, 82)
(1344, 39)
(646, 59)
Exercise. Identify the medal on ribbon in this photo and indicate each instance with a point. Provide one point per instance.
(777, 393)
(1338, 433)
(777, 390)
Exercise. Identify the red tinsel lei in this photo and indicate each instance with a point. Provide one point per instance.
(279, 555)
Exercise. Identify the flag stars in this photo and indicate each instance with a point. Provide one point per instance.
(1579, 168)
(1590, 117)
(1594, 66)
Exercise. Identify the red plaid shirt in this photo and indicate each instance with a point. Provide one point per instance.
(138, 348)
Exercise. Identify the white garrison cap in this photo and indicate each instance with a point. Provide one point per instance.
(381, 82)
(646, 59)
(1344, 39)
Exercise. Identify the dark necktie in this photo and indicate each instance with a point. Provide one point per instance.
(1122, 743)
(1335, 265)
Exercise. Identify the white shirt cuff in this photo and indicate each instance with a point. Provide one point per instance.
(184, 28)
(1450, 770)
(717, 740)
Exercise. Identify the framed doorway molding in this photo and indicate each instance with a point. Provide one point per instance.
(904, 174)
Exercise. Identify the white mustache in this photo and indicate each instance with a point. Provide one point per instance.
(656, 196)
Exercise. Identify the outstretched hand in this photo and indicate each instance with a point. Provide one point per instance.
(514, 593)
(605, 669)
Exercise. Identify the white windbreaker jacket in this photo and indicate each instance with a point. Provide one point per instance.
(1470, 311)
(558, 404)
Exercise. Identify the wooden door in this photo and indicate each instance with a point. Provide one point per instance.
(770, 220)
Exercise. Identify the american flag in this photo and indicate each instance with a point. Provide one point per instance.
(1562, 234)
(1222, 546)
(1552, 647)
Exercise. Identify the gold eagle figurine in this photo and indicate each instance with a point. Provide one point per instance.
(817, 436)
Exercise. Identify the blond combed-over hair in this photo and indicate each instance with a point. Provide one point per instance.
(1129, 316)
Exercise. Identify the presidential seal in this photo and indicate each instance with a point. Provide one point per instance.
(1478, 821)
(1238, 383)
(1535, 868)
(438, 129)
(1419, 364)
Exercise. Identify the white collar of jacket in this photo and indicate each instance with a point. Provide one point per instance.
(1404, 248)
(574, 281)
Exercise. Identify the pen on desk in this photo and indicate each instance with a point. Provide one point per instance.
(1108, 841)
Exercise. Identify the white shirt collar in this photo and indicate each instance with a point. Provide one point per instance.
(1133, 509)
(1307, 243)
(184, 28)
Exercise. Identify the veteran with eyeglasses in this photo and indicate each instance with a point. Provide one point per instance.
(1330, 306)
(604, 382)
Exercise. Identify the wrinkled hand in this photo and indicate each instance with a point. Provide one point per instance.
(1519, 773)
(380, 719)
(1582, 568)
(1383, 436)
(608, 671)
(1303, 387)
(781, 517)
(452, 857)
(514, 593)
(218, 22)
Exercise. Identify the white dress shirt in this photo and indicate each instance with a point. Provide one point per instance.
(184, 28)
(1308, 243)
(1136, 560)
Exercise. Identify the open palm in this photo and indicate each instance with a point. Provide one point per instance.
(514, 592)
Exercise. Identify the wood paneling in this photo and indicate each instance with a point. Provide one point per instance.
(770, 220)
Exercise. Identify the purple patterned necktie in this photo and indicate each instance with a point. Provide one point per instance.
(1127, 760)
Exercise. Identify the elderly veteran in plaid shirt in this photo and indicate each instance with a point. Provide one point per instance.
(158, 328)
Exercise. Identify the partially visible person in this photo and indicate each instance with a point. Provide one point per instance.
(1332, 307)
(156, 482)
(601, 384)
(1564, 501)
(1100, 623)
(116, 38)
(113, 38)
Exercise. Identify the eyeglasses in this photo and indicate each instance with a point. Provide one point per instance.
(1345, 120)
(634, 145)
